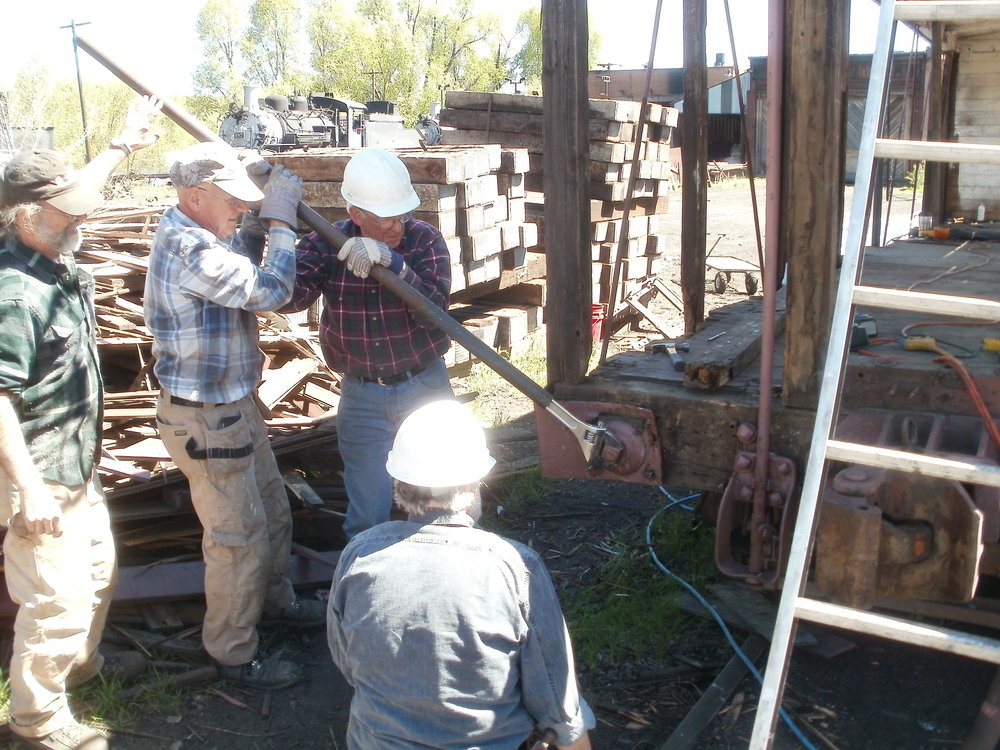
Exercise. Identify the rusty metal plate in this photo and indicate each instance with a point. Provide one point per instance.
(641, 461)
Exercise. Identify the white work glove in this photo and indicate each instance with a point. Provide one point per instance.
(360, 253)
(282, 194)
(140, 117)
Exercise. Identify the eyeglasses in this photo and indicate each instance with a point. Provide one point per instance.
(73, 218)
(234, 203)
(387, 222)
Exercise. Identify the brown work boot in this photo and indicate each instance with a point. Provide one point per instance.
(302, 613)
(73, 736)
(262, 673)
(121, 666)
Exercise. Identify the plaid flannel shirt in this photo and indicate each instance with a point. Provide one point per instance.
(366, 330)
(200, 300)
(48, 360)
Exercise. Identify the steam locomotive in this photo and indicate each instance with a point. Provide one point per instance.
(280, 123)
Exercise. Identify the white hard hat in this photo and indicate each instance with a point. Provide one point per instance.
(441, 444)
(378, 182)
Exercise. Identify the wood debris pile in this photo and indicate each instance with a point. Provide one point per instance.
(515, 121)
(476, 196)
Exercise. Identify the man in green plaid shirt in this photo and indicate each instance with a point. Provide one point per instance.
(59, 557)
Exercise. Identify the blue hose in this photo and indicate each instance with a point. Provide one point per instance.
(701, 600)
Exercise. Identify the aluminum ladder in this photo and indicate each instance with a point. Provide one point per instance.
(794, 605)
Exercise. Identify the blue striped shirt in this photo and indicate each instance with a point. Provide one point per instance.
(201, 296)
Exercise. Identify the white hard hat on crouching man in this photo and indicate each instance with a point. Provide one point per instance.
(390, 358)
(469, 647)
(208, 277)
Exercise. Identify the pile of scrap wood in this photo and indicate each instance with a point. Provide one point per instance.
(516, 121)
(476, 196)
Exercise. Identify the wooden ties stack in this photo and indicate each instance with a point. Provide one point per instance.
(514, 120)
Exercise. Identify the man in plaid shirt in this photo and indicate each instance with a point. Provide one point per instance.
(390, 359)
(204, 285)
(59, 554)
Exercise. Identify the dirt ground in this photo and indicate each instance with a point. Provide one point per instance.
(876, 695)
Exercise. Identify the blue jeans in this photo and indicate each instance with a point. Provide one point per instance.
(367, 419)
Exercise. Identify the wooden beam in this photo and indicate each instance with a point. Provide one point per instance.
(888, 148)
(813, 161)
(694, 165)
(947, 10)
(565, 160)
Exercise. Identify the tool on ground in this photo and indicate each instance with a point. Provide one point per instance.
(626, 449)
(672, 349)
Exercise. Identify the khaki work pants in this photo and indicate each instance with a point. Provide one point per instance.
(239, 495)
(63, 587)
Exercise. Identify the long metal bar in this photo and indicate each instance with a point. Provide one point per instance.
(588, 437)
(772, 240)
(798, 561)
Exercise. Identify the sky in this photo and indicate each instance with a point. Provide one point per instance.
(158, 45)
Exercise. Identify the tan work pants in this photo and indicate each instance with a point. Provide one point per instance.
(63, 587)
(239, 495)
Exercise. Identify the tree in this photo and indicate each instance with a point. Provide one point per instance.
(270, 43)
(219, 27)
(527, 62)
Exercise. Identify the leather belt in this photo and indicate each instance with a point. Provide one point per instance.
(177, 400)
(396, 379)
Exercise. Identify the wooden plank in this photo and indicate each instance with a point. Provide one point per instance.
(481, 245)
(432, 197)
(686, 734)
(437, 165)
(947, 10)
(515, 122)
(937, 151)
(611, 109)
(280, 382)
(713, 363)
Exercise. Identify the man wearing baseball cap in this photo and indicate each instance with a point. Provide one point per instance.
(59, 557)
(206, 281)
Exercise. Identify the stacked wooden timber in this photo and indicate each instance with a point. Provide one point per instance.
(516, 121)
(476, 196)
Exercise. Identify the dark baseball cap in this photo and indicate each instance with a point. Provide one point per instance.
(43, 175)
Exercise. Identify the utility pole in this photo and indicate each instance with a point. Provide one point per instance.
(374, 73)
(79, 86)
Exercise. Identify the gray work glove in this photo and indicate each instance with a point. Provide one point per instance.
(361, 252)
(282, 194)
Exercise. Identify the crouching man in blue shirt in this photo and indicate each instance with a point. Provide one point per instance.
(452, 636)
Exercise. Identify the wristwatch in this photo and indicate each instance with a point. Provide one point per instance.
(120, 145)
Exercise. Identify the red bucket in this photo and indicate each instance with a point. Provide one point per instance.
(597, 322)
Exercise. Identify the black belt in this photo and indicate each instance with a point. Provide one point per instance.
(396, 379)
(188, 402)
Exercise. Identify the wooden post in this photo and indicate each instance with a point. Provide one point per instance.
(813, 178)
(694, 164)
(565, 162)
(939, 89)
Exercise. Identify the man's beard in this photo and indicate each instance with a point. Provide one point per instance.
(65, 242)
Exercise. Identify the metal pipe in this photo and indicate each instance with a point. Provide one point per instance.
(616, 272)
(174, 111)
(590, 438)
(772, 237)
(747, 155)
